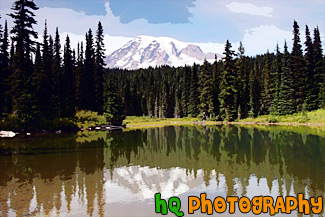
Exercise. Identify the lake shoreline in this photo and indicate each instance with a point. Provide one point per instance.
(217, 123)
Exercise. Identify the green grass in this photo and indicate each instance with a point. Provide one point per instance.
(85, 119)
(317, 116)
(147, 122)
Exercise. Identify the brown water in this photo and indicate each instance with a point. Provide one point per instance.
(118, 174)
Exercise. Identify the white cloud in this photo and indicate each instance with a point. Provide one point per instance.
(258, 40)
(251, 9)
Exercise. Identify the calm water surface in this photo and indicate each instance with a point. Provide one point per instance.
(118, 173)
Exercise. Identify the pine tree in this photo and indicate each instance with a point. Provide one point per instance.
(67, 82)
(164, 100)
(322, 90)
(298, 68)
(177, 109)
(311, 84)
(79, 73)
(319, 74)
(228, 91)
(242, 83)
(194, 99)
(87, 82)
(185, 74)
(286, 103)
(113, 109)
(99, 67)
(44, 92)
(4, 72)
(2, 95)
(23, 34)
(4, 47)
(267, 92)
(205, 90)
(254, 91)
(277, 79)
(57, 74)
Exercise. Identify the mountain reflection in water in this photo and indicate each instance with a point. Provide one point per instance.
(117, 174)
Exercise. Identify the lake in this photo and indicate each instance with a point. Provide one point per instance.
(118, 173)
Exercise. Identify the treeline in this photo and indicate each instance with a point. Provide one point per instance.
(231, 88)
(41, 82)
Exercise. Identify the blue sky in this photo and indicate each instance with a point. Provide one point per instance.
(259, 24)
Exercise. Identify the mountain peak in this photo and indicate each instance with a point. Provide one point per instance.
(145, 51)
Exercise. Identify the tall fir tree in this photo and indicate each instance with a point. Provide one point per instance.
(319, 74)
(113, 109)
(286, 104)
(242, 83)
(5, 72)
(78, 74)
(205, 91)
(194, 99)
(87, 82)
(57, 76)
(99, 67)
(38, 77)
(254, 91)
(267, 92)
(277, 79)
(44, 95)
(68, 82)
(1, 74)
(228, 91)
(298, 68)
(311, 83)
(22, 65)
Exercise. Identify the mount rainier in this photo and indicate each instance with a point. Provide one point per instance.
(146, 51)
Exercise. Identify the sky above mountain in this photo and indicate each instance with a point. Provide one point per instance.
(259, 24)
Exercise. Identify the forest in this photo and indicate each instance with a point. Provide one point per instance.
(43, 85)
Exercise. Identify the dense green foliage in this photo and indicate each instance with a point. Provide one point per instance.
(40, 82)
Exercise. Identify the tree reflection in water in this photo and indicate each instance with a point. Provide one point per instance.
(95, 173)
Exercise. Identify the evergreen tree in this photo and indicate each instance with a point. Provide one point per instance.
(164, 100)
(4, 72)
(113, 110)
(87, 79)
(23, 34)
(177, 109)
(277, 79)
(79, 73)
(99, 67)
(194, 99)
(319, 74)
(67, 82)
(242, 83)
(286, 103)
(267, 92)
(254, 91)
(205, 90)
(322, 90)
(228, 91)
(4, 41)
(185, 72)
(311, 84)
(57, 76)
(298, 68)
(44, 77)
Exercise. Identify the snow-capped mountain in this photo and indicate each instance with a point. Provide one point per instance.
(146, 51)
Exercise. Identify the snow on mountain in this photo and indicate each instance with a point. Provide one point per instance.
(146, 51)
(143, 182)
